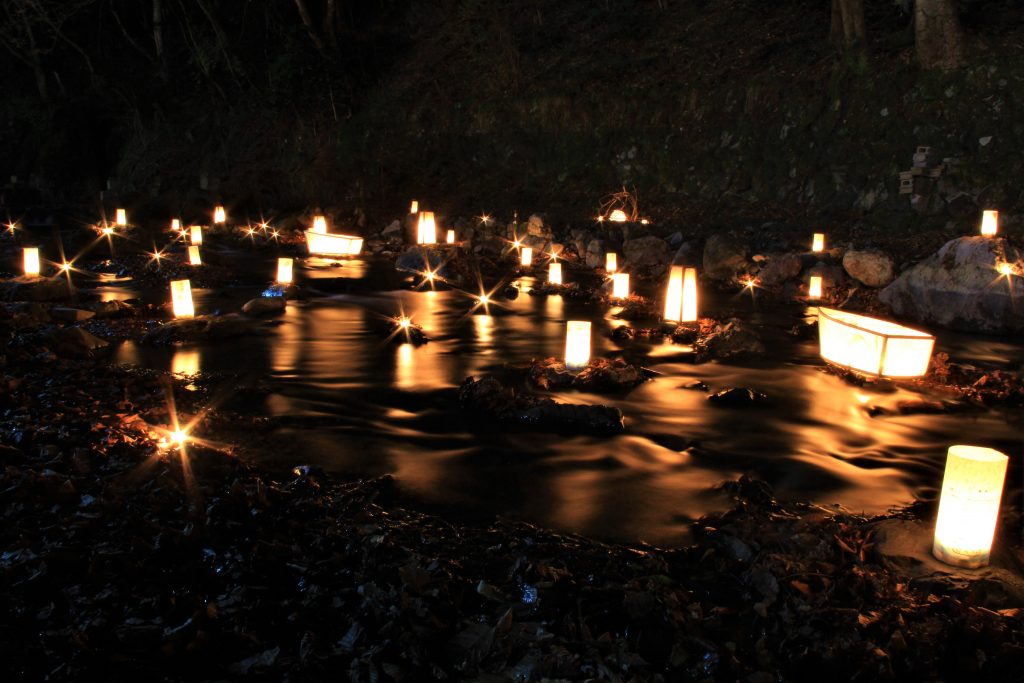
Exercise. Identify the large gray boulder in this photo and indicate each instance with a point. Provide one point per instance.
(647, 251)
(960, 287)
(724, 258)
(595, 254)
(780, 267)
(873, 268)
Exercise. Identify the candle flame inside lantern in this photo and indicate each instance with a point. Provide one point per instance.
(577, 343)
(526, 256)
(611, 262)
(814, 288)
(193, 256)
(972, 488)
(31, 256)
(872, 346)
(451, 237)
(819, 242)
(426, 231)
(121, 218)
(196, 232)
(176, 224)
(181, 299)
(219, 215)
(618, 216)
(284, 270)
(414, 207)
(620, 285)
(555, 273)
(989, 223)
(320, 225)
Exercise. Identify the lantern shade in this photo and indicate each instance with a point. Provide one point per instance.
(181, 299)
(814, 287)
(284, 270)
(620, 285)
(872, 346)
(176, 224)
(526, 256)
(319, 225)
(611, 262)
(414, 207)
(555, 273)
(31, 259)
(121, 217)
(681, 296)
(819, 242)
(972, 488)
(577, 343)
(193, 256)
(989, 223)
(451, 237)
(690, 296)
(426, 229)
(355, 245)
(196, 234)
(219, 215)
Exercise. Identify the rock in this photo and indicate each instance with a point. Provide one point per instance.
(647, 251)
(487, 397)
(872, 268)
(111, 309)
(675, 240)
(599, 375)
(535, 226)
(264, 305)
(422, 259)
(780, 268)
(595, 254)
(70, 315)
(394, 228)
(738, 397)
(959, 287)
(205, 328)
(729, 340)
(73, 342)
(34, 289)
(724, 258)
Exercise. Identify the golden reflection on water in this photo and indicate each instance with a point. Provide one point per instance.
(185, 362)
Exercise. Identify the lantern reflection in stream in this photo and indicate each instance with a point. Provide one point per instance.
(872, 346)
(193, 256)
(426, 229)
(555, 273)
(972, 488)
(990, 223)
(620, 285)
(577, 343)
(31, 260)
(284, 270)
(181, 299)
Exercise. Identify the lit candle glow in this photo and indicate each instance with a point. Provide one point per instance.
(284, 270)
(555, 273)
(121, 218)
(219, 215)
(31, 257)
(414, 207)
(972, 488)
(526, 256)
(618, 216)
(577, 343)
(176, 224)
(819, 242)
(196, 232)
(451, 237)
(193, 256)
(989, 223)
(620, 285)
(872, 346)
(426, 230)
(681, 297)
(181, 299)
(320, 225)
(814, 288)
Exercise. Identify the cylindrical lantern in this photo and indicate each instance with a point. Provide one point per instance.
(555, 273)
(176, 224)
(414, 207)
(284, 270)
(197, 234)
(31, 260)
(814, 288)
(972, 488)
(320, 225)
(219, 215)
(426, 232)
(690, 296)
(181, 299)
(526, 256)
(451, 237)
(577, 343)
(611, 262)
(193, 256)
(989, 223)
(819, 242)
(674, 295)
(121, 218)
(620, 285)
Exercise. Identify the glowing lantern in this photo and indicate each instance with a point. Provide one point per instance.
(611, 262)
(819, 242)
(121, 218)
(814, 288)
(426, 231)
(284, 270)
(181, 299)
(989, 223)
(326, 244)
(320, 225)
(31, 260)
(193, 256)
(872, 346)
(414, 207)
(555, 273)
(451, 237)
(355, 245)
(617, 216)
(577, 343)
(526, 256)
(219, 215)
(196, 232)
(620, 285)
(681, 298)
(176, 224)
(972, 488)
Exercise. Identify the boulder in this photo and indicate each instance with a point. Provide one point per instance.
(26, 288)
(779, 268)
(421, 259)
(595, 254)
(728, 341)
(73, 342)
(264, 305)
(872, 268)
(724, 258)
(487, 398)
(688, 254)
(959, 287)
(393, 229)
(70, 315)
(536, 227)
(647, 251)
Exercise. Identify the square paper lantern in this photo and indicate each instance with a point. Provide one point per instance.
(577, 343)
(414, 207)
(620, 285)
(819, 242)
(121, 218)
(611, 262)
(284, 270)
(451, 237)
(526, 256)
(219, 215)
(814, 287)
(355, 245)
(872, 346)
(31, 256)
(323, 244)
(181, 299)
(426, 229)
(320, 225)
(193, 256)
(989, 223)
(196, 232)
(681, 297)
(176, 224)
(555, 273)
(972, 488)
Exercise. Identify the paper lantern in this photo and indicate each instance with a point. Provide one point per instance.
(872, 346)
(555, 273)
(814, 288)
(181, 299)
(611, 262)
(196, 232)
(972, 488)
(620, 285)
(414, 207)
(819, 242)
(31, 256)
(681, 297)
(326, 244)
(193, 256)
(526, 256)
(989, 223)
(284, 270)
(426, 229)
(121, 218)
(451, 237)
(219, 215)
(355, 245)
(319, 225)
(176, 224)
(618, 216)
(577, 343)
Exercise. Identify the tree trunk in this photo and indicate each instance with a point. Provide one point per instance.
(158, 31)
(847, 29)
(307, 20)
(937, 35)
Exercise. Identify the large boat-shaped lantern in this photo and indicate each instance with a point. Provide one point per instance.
(872, 346)
(329, 244)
